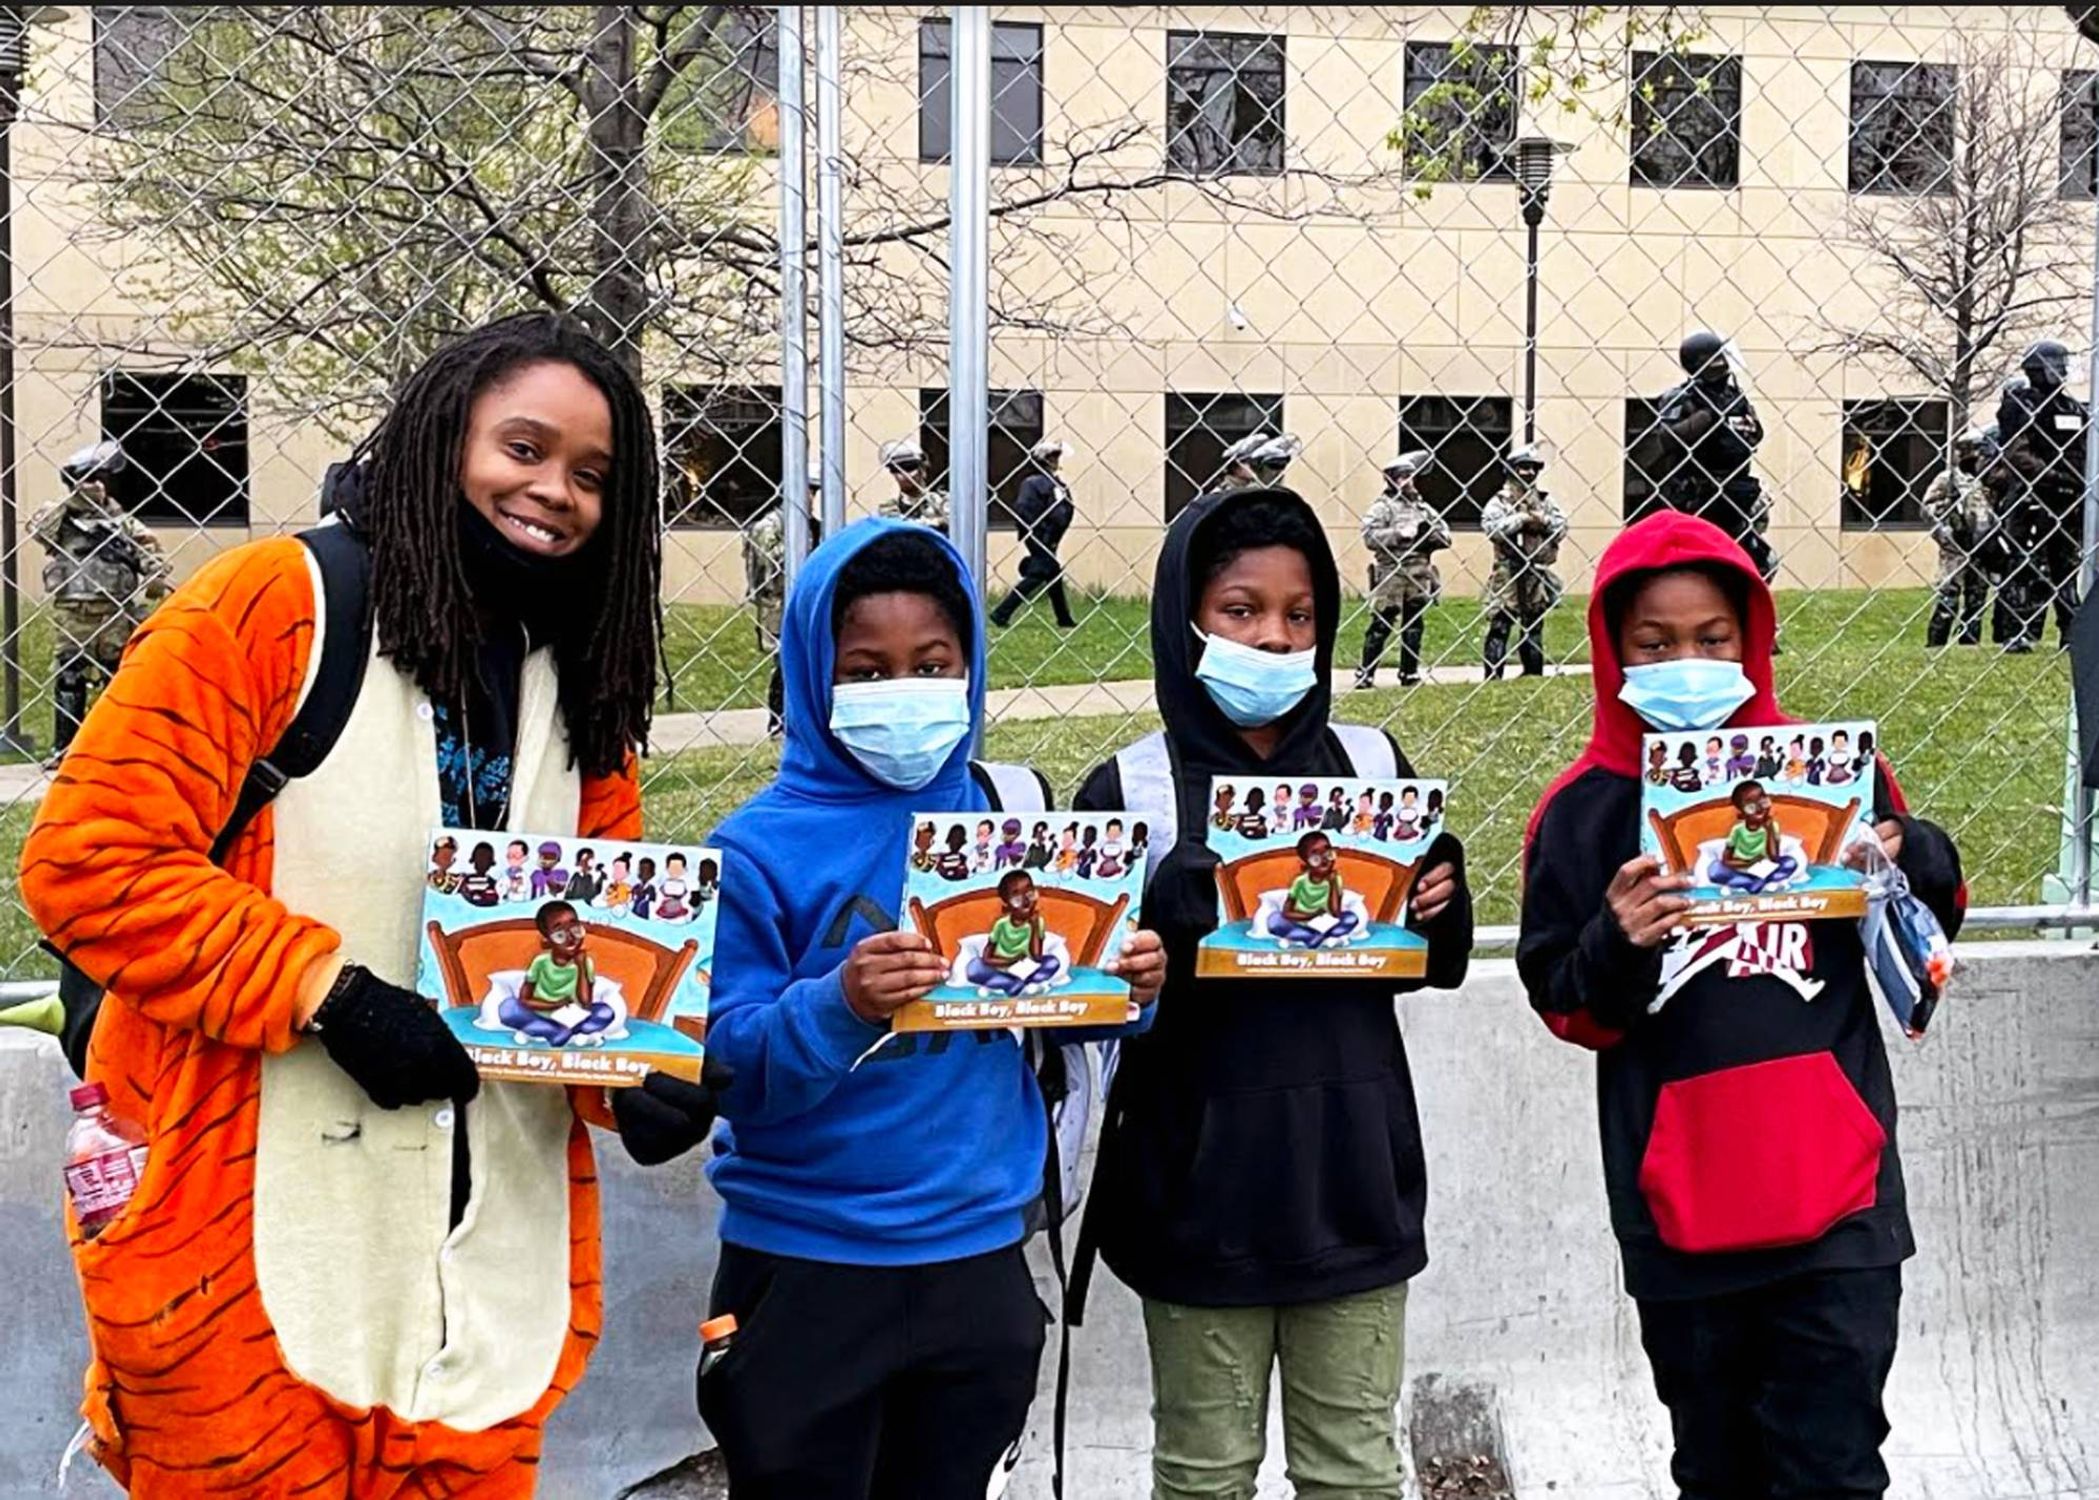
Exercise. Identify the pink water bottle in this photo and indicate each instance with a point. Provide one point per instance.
(105, 1158)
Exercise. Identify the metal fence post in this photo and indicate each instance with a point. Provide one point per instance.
(969, 313)
(830, 268)
(14, 56)
(2087, 571)
(794, 301)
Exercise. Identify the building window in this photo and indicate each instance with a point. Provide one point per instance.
(1646, 458)
(736, 85)
(1199, 427)
(1224, 102)
(1461, 112)
(2079, 172)
(723, 442)
(1469, 436)
(132, 43)
(1016, 93)
(1687, 121)
(1891, 451)
(1016, 427)
(1902, 119)
(186, 437)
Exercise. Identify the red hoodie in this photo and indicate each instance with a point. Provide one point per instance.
(1747, 1115)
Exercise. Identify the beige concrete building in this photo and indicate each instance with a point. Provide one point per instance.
(1221, 231)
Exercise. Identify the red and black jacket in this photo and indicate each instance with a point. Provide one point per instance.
(1745, 1106)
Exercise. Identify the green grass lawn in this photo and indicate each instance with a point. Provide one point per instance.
(1977, 738)
(715, 661)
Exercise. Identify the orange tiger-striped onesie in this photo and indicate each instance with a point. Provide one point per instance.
(286, 1307)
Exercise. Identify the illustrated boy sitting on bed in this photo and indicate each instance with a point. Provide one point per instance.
(1312, 912)
(1013, 958)
(1754, 841)
(561, 975)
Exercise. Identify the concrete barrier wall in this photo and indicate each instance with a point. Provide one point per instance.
(1995, 1394)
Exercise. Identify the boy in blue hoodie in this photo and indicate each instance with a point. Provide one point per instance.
(876, 1187)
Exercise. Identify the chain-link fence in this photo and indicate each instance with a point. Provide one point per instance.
(1378, 230)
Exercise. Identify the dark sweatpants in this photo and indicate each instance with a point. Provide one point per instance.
(871, 1382)
(1775, 1393)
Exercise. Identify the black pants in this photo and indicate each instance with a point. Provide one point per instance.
(70, 691)
(775, 700)
(1960, 604)
(1029, 586)
(1409, 619)
(1530, 645)
(871, 1382)
(2043, 572)
(1775, 1394)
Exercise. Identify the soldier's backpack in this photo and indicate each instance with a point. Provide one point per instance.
(344, 561)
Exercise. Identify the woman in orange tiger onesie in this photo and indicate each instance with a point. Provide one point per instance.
(350, 1267)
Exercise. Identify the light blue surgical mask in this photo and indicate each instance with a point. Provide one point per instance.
(1693, 692)
(1254, 687)
(904, 729)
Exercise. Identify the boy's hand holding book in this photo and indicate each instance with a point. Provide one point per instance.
(1142, 965)
(888, 971)
(1646, 904)
(1434, 891)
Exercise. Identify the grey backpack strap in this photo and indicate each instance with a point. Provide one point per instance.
(1146, 769)
(1011, 788)
(1369, 750)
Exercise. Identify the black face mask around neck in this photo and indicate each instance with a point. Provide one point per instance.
(509, 583)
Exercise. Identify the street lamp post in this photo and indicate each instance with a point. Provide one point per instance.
(1534, 155)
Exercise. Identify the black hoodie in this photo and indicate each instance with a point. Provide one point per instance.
(1261, 1145)
(1745, 1105)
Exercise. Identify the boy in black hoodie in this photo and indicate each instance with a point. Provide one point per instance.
(1747, 1114)
(1260, 1180)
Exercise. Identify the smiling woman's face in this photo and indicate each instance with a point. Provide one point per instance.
(537, 457)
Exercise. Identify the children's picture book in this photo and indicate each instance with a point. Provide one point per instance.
(1762, 818)
(1027, 913)
(567, 960)
(1313, 876)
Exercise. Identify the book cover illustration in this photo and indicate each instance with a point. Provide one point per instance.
(1027, 915)
(1313, 877)
(1762, 818)
(570, 961)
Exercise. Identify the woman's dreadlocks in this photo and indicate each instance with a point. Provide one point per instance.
(424, 612)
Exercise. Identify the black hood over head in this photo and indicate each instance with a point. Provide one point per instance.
(1205, 740)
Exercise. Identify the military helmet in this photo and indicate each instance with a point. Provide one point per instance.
(1700, 350)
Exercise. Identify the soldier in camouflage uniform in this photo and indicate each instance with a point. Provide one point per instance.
(1256, 460)
(1526, 528)
(1404, 534)
(913, 500)
(765, 588)
(104, 572)
(1963, 522)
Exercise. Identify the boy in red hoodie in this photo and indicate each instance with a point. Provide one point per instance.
(1746, 1110)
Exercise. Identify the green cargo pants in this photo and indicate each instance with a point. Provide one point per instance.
(1341, 1364)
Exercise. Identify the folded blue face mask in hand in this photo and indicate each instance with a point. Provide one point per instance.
(1694, 692)
(904, 729)
(1909, 962)
(1254, 687)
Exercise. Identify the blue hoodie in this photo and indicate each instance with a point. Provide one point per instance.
(932, 1147)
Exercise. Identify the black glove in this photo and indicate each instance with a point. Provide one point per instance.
(666, 1117)
(392, 1042)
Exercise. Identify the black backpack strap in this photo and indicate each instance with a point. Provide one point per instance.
(1055, 1082)
(344, 559)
